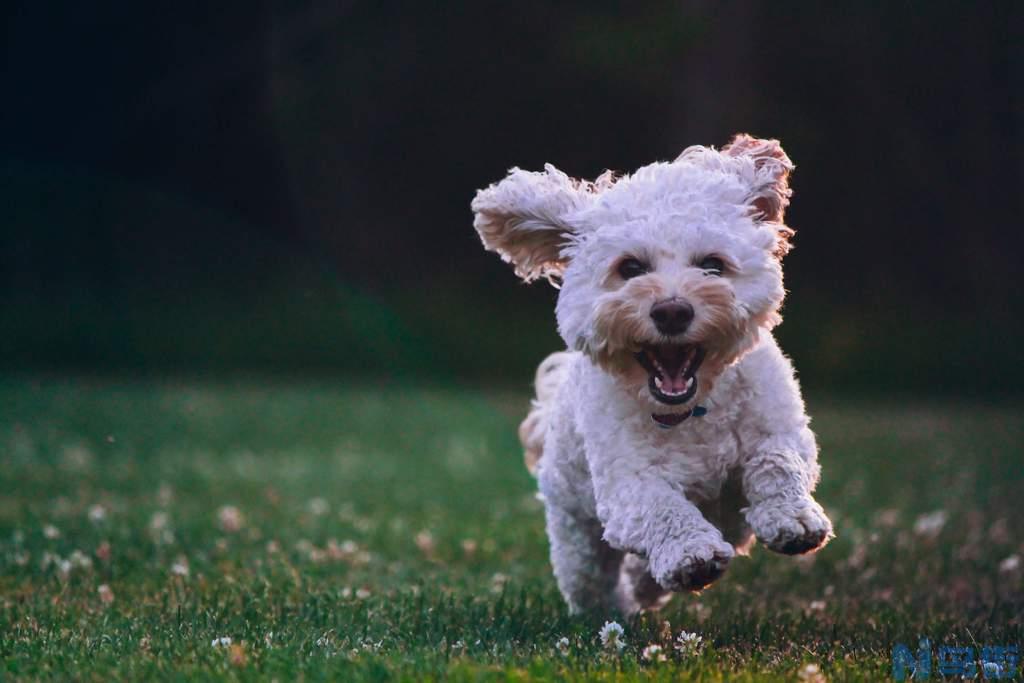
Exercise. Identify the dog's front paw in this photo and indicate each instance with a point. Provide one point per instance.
(790, 526)
(691, 565)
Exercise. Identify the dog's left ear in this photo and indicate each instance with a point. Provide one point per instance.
(525, 219)
(770, 183)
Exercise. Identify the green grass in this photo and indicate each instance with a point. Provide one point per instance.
(446, 575)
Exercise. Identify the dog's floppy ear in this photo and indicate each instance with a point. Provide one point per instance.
(524, 218)
(770, 192)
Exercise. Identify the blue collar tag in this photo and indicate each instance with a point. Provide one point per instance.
(698, 411)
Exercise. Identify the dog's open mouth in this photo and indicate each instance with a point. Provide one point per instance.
(672, 369)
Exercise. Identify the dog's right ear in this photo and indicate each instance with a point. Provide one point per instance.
(526, 219)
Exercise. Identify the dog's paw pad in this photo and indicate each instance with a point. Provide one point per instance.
(792, 530)
(799, 545)
(696, 570)
(702, 573)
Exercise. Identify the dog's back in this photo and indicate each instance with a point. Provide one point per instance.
(550, 375)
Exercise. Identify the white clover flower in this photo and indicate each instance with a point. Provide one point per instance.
(1010, 564)
(63, 568)
(48, 559)
(158, 522)
(611, 635)
(180, 567)
(811, 673)
(51, 532)
(653, 653)
(97, 513)
(230, 519)
(929, 525)
(223, 641)
(105, 593)
(370, 646)
(688, 643)
(498, 582)
(562, 645)
(319, 507)
(425, 542)
(346, 551)
(160, 528)
(80, 560)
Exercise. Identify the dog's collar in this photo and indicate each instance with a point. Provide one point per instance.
(670, 420)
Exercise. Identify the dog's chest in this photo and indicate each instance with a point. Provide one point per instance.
(697, 455)
(695, 458)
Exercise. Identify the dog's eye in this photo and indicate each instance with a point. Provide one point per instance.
(712, 265)
(631, 267)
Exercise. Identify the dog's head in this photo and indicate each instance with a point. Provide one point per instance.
(668, 275)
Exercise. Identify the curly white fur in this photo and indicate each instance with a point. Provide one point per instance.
(635, 510)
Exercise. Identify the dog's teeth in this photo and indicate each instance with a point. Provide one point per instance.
(689, 383)
(658, 382)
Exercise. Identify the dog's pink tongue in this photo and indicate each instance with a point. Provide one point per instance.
(674, 360)
(674, 384)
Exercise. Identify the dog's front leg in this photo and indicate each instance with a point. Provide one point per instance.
(643, 514)
(778, 482)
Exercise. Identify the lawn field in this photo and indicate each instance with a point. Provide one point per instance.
(287, 529)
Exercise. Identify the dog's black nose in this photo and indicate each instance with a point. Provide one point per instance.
(672, 316)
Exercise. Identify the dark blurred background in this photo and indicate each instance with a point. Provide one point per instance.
(284, 187)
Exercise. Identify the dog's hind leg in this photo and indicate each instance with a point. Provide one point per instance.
(586, 568)
(637, 589)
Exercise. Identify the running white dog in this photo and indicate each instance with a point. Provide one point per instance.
(674, 432)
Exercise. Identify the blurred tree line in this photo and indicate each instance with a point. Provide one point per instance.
(286, 185)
